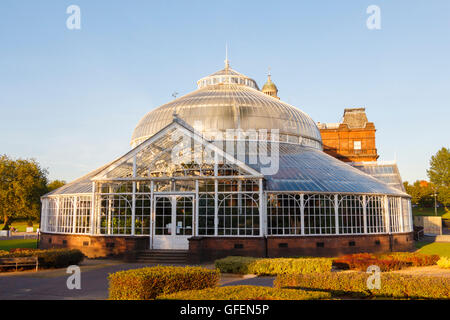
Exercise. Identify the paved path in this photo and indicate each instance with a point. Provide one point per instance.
(51, 284)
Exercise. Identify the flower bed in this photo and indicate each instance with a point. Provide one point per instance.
(355, 284)
(245, 293)
(148, 283)
(266, 266)
(386, 262)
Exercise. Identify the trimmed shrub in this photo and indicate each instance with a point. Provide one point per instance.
(52, 258)
(148, 283)
(234, 264)
(59, 258)
(245, 293)
(264, 267)
(393, 285)
(289, 265)
(415, 259)
(386, 262)
(444, 262)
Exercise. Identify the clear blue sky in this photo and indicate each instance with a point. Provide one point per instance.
(71, 98)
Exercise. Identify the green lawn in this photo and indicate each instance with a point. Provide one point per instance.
(418, 211)
(18, 243)
(21, 226)
(439, 248)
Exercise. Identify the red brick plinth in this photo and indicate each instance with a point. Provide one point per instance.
(96, 246)
(202, 249)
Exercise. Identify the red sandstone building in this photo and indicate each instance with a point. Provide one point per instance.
(352, 140)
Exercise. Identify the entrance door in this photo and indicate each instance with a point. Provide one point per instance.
(173, 221)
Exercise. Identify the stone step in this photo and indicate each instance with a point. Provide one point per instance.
(163, 256)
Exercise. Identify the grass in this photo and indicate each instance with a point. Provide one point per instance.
(21, 226)
(419, 211)
(18, 243)
(439, 248)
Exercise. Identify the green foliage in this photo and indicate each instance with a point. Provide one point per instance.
(429, 211)
(55, 184)
(393, 285)
(148, 283)
(52, 258)
(238, 265)
(444, 262)
(265, 266)
(439, 174)
(386, 262)
(245, 293)
(421, 193)
(22, 183)
(18, 243)
(442, 249)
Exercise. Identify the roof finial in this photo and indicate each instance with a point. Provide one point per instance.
(227, 63)
(268, 75)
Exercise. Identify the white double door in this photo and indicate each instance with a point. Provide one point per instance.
(173, 221)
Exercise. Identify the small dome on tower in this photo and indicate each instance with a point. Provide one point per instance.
(270, 88)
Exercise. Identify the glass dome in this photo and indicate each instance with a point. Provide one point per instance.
(228, 99)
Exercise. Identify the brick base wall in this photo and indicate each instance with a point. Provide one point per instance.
(96, 246)
(204, 249)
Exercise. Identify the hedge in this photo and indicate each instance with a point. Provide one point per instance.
(386, 262)
(393, 285)
(51, 258)
(444, 262)
(148, 283)
(261, 267)
(234, 264)
(245, 293)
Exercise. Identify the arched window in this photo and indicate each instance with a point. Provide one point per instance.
(115, 214)
(206, 214)
(351, 215)
(375, 214)
(238, 214)
(319, 214)
(283, 214)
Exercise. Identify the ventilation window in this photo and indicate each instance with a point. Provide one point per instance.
(238, 246)
(49, 240)
(85, 243)
(377, 242)
(282, 245)
(64, 242)
(351, 243)
(110, 245)
(320, 244)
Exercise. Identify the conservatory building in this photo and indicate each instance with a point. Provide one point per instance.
(227, 170)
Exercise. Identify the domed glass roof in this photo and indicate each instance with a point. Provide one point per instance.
(228, 99)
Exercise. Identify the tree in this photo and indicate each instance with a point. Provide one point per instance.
(439, 174)
(421, 193)
(55, 184)
(22, 183)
